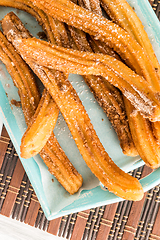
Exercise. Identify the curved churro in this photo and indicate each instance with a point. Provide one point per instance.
(40, 128)
(87, 141)
(54, 157)
(111, 103)
(108, 97)
(146, 135)
(22, 77)
(143, 137)
(85, 137)
(72, 61)
(124, 15)
(104, 30)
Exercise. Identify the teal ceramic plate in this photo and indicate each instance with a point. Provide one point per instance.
(54, 200)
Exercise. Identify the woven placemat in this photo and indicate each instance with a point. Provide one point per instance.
(126, 220)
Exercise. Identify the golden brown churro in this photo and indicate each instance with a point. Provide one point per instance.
(134, 87)
(124, 15)
(108, 97)
(104, 30)
(106, 94)
(41, 126)
(52, 154)
(22, 77)
(86, 139)
(146, 135)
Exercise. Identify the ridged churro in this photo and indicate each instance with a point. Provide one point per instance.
(22, 78)
(54, 157)
(132, 85)
(108, 97)
(56, 32)
(123, 14)
(87, 141)
(104, 30)
(146, 135)
(40, 127)
(143, 137)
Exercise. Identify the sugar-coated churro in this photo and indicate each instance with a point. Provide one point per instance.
(123, 14)
(146, 135)
(85, 137)
(54, 157)
(133, 86)
(104, 30)
(108, 97)
(142, 133)
(41, 126)
(104, 95)
(22, 77)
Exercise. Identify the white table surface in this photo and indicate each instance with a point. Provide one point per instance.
(11, 229)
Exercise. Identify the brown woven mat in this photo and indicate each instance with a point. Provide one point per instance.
(125, 220)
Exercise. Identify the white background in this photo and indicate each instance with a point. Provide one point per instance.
(11, 229)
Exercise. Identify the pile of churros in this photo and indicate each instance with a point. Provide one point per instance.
(116, 60)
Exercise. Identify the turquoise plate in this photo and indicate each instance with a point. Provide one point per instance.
(92, 194)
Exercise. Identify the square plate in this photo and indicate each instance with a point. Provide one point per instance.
(54, 200)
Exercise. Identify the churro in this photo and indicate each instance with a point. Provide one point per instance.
(86, 139)
(40, 128)
(22, 78)
(143, 137)
(132, 85)
(102, 91)
(53, 156)
(104, 30)
(146, 135)
(108, 97)
(123, 14)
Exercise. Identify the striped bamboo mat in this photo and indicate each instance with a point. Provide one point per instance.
(125, 220)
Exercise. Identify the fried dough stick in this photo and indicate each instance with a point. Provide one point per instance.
(73, 61)
(48, 23)
(123, 14)
(92, 151)
(86, 139)
(40, 127)
(52, 154)
(104, 30)
(22, 78)
(38, 131)
(107, 96)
